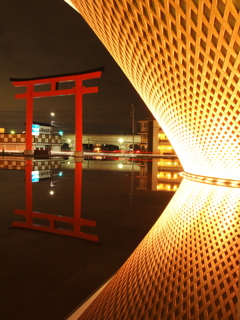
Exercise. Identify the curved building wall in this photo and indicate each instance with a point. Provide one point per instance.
(183, 59)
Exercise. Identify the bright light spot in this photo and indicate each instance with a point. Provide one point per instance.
(61, 133)
(12, 132)
(52, 114)
(120, 166)
(120, 140)
(51, 192)
(60, 174)
(69, 140)
(71, 4)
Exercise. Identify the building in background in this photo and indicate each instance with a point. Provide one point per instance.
(150, 139)
(42, 137)
(153, 139)
(161, 175)
(94, 142)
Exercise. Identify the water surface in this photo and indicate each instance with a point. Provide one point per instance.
(46, 275)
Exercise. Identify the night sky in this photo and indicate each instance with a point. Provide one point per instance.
(48, 37)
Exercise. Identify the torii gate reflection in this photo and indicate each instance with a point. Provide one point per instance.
(76, 221)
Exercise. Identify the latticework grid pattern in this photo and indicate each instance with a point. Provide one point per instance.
(183, 59)
(187, 267)
(21, 137)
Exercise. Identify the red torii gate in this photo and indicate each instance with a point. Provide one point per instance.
(78, 91)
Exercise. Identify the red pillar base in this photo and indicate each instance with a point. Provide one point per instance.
(78, 154)
(28, 152)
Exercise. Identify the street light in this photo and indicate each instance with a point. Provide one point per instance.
(132, 115)
(120, 141)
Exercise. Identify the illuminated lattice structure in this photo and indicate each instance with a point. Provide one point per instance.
(186, 267)
(183, 58)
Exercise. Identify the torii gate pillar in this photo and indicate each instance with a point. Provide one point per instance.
(54, 81)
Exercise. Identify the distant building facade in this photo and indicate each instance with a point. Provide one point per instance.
(161, 175)
(153, 139)
(42, 139)
(93, 142)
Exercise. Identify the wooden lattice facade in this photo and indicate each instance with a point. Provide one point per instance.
(183, 58)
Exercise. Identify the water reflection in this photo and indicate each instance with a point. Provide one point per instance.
(51, 267)
(197, 231)
(58, 224)
(192, 251)
(161, 175)
(149, 176)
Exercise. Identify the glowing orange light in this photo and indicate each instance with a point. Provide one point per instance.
(183, 59)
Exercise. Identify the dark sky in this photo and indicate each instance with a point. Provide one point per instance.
(48, 37)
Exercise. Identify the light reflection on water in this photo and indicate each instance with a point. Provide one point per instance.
(125, 198)
(68, 197)
(116, 194)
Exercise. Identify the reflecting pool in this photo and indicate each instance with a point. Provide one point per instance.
(67, 227)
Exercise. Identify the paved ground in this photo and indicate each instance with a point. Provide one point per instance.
(45, 276)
